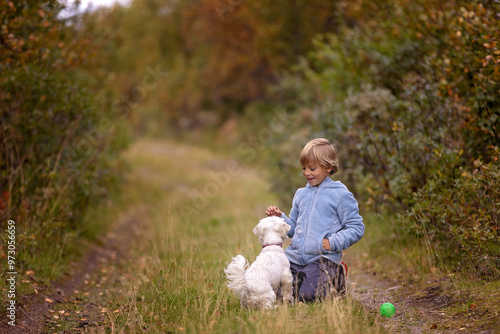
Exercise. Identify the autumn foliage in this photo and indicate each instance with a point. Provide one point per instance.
(55, 152)
(408, 90)
(412, 101)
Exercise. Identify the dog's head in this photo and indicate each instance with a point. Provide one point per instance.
(271, 229)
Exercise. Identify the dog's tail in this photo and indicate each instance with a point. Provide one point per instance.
(235, 273)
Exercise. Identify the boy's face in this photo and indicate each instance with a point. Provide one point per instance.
(314, 173)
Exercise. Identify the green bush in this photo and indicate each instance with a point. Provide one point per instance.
(462, 216)
(58, 149)
(410, 95)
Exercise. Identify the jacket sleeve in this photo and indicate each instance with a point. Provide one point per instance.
(353, 230)
(294, 213)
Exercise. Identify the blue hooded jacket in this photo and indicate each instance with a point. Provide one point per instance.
(327, 211)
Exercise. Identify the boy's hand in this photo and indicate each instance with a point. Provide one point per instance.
(273, 211)
(326, 244)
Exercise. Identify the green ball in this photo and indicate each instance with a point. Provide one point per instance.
(387, 310)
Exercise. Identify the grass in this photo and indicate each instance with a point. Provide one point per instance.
(54, 257)
(390, 253)
(200, 209)
(209, 206)
(197, 208)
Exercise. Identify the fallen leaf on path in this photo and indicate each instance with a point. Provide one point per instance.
(48, 300)
(30, 272)
(434, 326)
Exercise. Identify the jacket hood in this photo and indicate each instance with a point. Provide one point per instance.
(328, 183)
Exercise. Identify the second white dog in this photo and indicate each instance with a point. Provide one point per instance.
(257, 286)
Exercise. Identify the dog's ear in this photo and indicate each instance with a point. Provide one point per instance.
(256, 230)
(283, 228)
(259, 230)
(262, 228)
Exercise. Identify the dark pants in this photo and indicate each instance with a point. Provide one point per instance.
(318, 280)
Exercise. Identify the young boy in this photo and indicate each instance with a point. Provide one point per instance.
(324, 221)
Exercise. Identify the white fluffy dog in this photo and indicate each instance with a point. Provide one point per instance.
(257, 286)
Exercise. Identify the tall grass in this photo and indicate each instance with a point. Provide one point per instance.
(176, 282)
(392, 253)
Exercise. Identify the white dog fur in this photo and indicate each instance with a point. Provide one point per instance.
(257, 286)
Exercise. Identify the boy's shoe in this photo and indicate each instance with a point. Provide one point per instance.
(342, 263)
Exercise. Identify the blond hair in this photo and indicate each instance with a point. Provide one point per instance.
(322, 152)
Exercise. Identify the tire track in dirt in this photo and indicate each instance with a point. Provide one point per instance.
(410, 317)
(419, 306)
(32, 310)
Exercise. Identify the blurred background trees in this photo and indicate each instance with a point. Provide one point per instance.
(408, 91)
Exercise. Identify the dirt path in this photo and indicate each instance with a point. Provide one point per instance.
(373, 292)
(421, 307)
(80, 303)
(36, 311)
(37, 314)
